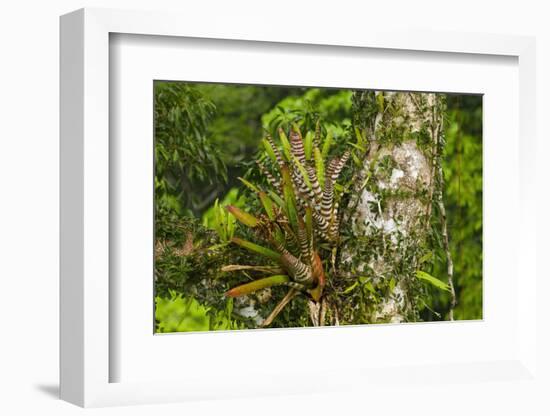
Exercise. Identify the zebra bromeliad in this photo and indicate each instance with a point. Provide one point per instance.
(300, 212)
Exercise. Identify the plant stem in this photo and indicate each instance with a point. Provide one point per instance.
(280, 306)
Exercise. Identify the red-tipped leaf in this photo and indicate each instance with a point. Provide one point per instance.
(244, 217)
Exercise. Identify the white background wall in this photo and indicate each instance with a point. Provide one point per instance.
(29, 187)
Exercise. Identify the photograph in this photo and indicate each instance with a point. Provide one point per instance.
(230, 207)
(293, 206)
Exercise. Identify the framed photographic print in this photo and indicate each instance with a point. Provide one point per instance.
(260, 221)
(290, 208)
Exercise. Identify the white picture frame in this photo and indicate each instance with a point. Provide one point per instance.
(87, 356)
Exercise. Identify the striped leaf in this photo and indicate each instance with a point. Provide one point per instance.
(297, 146)
(335, 167)
(309, 222)
(270, 178)
(303, 240)
(289, 197)
(316, 186)
(278, 157)
(299, 272)
(269, 150)
(303, 173)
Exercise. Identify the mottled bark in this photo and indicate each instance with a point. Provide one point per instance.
(391, 206)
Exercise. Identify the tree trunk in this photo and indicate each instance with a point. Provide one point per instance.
(390, 208)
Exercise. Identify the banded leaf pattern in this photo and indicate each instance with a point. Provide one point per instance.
(301, 212)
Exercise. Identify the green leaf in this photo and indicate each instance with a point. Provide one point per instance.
(249, 185)
(273, 255)
(392, 284)
(291, 207)
(308, 144)
(350, 288)
(326, 145)
(309, 222)
(432, 280)
(269, 150)
(426, 257)
(230, 230)
(278, 200)
(319, 166)
(289, 198)
(267, 204)
(358, 147)
(286, 144)
(370, 288)
(380, 101)
(257, 285)
(244, 217)
(217, 220)
(216, 246)
(303, 172)
(356, 160)
(177, 314)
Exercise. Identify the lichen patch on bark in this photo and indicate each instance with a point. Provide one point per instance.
(391, 210)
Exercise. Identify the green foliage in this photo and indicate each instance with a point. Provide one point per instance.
(332, 106)
(218, 219)
(188, 260)
(178, 314)
(462, 166)
(295, 226)
(208, 135)
(188, 166)
(432, 280)
(236, 127)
